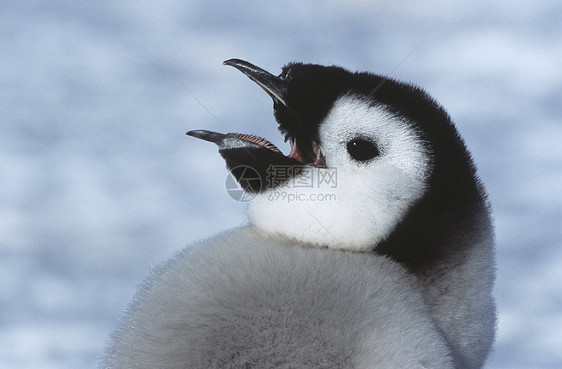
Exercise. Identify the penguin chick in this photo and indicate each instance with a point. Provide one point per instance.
(406, 197)
(406, 188)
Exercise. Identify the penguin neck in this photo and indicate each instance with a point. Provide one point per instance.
(442, 226)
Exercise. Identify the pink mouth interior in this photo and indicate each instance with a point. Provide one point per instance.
(295, 153)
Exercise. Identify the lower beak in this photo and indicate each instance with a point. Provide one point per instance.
(245, 154)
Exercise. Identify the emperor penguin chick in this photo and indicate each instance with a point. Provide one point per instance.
(394, 271)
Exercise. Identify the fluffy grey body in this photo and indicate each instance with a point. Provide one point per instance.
(396, 272)
(242, 300)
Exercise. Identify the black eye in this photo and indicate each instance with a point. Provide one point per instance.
(361, 149)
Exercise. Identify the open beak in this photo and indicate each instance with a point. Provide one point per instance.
(242, 151)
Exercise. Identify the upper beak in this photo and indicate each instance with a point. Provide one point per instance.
(274, 86)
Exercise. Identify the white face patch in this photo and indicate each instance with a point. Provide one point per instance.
(351, 204)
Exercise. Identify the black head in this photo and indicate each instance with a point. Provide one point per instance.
(304, 96)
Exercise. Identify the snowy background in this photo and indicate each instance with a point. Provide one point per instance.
(98, 181)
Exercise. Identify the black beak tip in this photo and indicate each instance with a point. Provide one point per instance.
(194, 133)
(231, 62)
(239, 63)
(210, 136)
(274, 86)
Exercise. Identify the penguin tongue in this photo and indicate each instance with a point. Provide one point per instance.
(319, 158)
(268, 145)
(257, 140)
